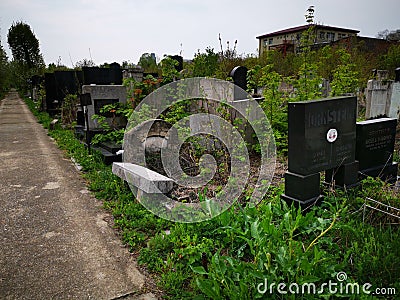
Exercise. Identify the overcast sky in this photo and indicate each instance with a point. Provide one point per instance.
(119, 30)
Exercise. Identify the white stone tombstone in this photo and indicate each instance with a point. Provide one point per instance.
(394, 109)
(35, 94)
(378, 98)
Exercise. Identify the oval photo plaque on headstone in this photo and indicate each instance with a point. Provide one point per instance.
(331, 135)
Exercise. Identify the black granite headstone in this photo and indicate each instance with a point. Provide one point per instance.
(58, 85)
(397, 72)
(67, 82)
(85, 99)
(322, 136)
(179, 59)
(102, 76)
(36, 80)
(80, 118)
(239, 76)
(51, 90)
(115, 65)
(375, 147)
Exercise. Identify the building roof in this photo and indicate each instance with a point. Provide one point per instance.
(304, 27)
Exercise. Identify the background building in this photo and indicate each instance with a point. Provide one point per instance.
(288, 40)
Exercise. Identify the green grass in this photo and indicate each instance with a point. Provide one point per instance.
(229, 256)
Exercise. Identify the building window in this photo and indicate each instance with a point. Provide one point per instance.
(270, 41)
(322, 35)
(265, 42)
(330, 36)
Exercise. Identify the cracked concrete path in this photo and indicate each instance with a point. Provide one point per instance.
(55, 242)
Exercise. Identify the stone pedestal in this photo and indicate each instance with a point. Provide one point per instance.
(301, 189)
(387, 173)
(343, 176)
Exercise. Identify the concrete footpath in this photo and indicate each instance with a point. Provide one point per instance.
(55, 241)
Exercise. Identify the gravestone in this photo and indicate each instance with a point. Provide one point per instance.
(58, 85)
(378, 95)
(94, 97)
(397, 72)
(239, 76)
(394, 109)
(377, 98)
(68, 82)
(80, 118)
(100, 96)
(237, 99)
(135, 72)
(115, 65)
(326, 88)
(322, 136)
(375, 147)
(102, 76)
(51, 91)
(35, 81)
(149, 138)
(179, 59)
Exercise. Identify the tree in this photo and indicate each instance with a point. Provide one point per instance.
(391, 60)
(383, 34)
(3, 71)
(168, 70)
(393, 35)
(127, 65)
(24, 46)
(53, 67)
(308, 78)
(148, 62)
(84, 63)
(27, 60)
(345, 75)
(205, 64)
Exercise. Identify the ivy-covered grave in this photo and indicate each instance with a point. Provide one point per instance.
(106, 119)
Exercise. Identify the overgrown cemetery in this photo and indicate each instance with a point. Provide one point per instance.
(227, 172)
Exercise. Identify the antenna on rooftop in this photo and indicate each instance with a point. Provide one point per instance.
(310, 15)
(90, 54)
